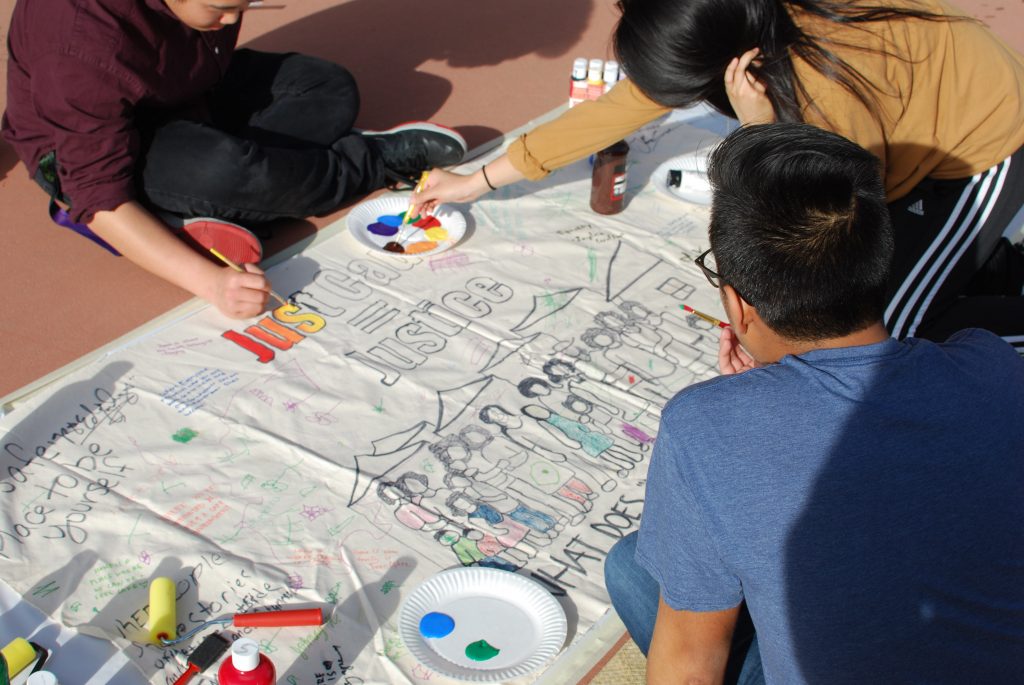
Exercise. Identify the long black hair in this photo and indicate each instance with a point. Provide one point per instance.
(677, 51)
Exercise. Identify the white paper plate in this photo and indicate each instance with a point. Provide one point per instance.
(367, 213)
(511, 612)
(694, 187)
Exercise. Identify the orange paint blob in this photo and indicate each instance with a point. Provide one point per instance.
(422, 246)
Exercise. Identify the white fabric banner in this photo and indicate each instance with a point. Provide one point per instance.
(495, 404)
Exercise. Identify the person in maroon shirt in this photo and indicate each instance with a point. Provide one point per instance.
(135, 114)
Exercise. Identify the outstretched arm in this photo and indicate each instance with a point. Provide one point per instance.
(447, 186)
(146, 241)
(571, 136)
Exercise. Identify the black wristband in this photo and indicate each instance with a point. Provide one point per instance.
(490, 185)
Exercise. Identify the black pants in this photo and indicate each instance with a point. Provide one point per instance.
(952, 268)
(277, 143)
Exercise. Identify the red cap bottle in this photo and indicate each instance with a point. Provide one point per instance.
(246, 666)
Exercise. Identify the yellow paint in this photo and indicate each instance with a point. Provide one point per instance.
(438, 233)
(307, 322)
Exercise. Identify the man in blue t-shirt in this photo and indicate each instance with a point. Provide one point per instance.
(861, 497)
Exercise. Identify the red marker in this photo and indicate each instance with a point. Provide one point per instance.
(707, 317)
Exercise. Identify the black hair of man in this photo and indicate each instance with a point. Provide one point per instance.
(800, 228)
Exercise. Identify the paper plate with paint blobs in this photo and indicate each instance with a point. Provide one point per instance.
(482, 624)
(378, 224)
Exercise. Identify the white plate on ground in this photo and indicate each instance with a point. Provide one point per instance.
(512, 613)
(694, 185)
(368, 213)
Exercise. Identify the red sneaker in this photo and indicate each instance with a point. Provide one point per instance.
(233, 241)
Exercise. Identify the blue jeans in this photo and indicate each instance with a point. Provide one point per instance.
(635, 594)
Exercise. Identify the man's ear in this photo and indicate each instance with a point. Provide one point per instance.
(741, 313)
(736, 308)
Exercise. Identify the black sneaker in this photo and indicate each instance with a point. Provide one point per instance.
(410, 149)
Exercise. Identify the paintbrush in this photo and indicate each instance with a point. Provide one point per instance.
(406, 232)
(412, 202)
(701, 315)
(234, 266)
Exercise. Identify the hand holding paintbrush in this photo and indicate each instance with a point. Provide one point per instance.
(398, 244)
(236, 267)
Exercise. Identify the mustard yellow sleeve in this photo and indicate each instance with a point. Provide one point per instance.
(834, 108)
(583, 130)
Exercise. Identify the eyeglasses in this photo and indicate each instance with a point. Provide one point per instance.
(709, 271)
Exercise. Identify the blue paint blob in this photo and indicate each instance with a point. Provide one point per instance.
(435, 624)
(380, 228)
(391, 219)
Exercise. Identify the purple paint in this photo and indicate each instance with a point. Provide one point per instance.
(636, 433)
(381, 228)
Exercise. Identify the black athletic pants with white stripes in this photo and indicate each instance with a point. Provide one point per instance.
(952, 268)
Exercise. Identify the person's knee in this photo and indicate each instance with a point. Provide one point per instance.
(332, 83)
(319, 75)
(618, 567)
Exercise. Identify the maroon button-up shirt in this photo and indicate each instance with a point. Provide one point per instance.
(78, 72)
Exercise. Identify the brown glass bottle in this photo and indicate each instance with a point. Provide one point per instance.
(608, 187)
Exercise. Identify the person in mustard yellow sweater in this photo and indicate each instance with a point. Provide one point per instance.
(932, 93)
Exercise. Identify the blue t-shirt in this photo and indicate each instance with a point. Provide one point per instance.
(866, 502)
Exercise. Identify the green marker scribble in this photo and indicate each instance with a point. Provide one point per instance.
(379, 407)
(332, 595)
(592, 263)
(184, 435)
(393, 649)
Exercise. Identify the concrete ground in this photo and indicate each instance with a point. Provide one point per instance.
(482, 67)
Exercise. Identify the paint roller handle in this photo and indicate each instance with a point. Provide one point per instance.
(277, 619)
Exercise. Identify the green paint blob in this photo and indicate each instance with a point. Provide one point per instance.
(481, 650)
(184, 435)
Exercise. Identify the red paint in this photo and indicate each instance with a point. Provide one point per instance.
(263, 353)
(427, 222)
(632, 379)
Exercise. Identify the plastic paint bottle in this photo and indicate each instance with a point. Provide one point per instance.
(608, 184)
(595, 84)
(611, 74)
(246, 665)
(42, 678)
(578, 82)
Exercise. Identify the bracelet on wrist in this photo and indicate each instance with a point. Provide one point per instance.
(490, 185)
